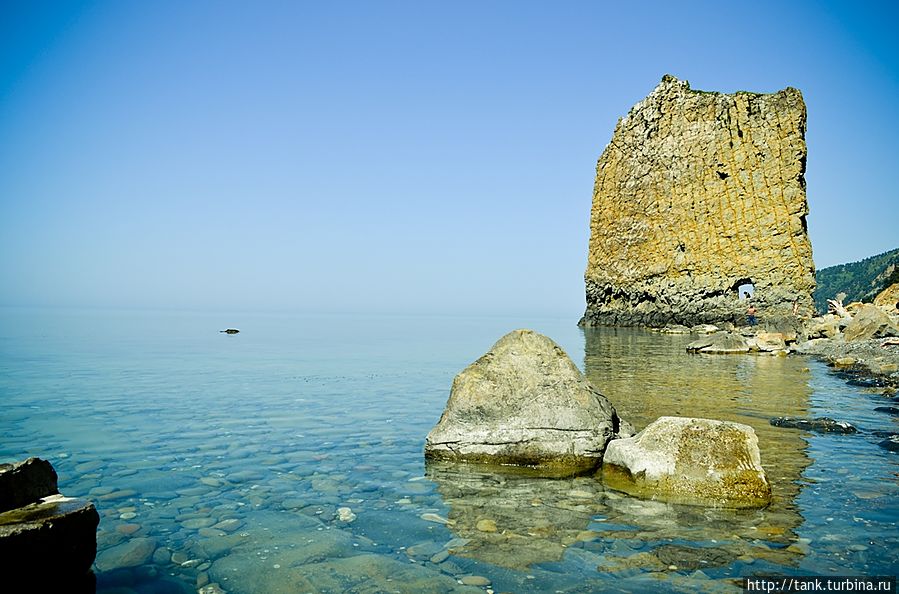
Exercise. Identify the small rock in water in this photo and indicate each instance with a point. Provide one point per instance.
(229, 525)
(486, 525)
(161, 556)
(197, 523)
(132, 553)
(891, 444)
(435, 518)
(475, 580)
(440, 557)
(345, 514)
(821, 424)
(128, 516)
(890, 410)
(127, 529)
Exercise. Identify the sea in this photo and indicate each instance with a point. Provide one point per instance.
(288, 458)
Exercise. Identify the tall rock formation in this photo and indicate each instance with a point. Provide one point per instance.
(697, 194)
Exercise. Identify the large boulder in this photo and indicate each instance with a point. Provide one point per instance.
(870, 322)
(46, 540)
(25, 482)
(525, 403)
(694, 461)
(51, 541)
(721, 343)
(888, 298)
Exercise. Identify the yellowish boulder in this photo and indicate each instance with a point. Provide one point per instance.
(688, 460)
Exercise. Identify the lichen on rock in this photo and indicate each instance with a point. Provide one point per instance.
(696, 195)
(693, 461)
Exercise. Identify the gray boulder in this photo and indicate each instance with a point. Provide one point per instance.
(870, 322)
(525, 403)
(694, 461)
(721, 343)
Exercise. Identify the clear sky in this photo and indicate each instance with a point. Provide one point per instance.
(421, 157)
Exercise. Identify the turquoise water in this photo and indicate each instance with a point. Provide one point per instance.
(288, 458)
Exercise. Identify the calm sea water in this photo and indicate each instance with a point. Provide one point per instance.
(288, 458)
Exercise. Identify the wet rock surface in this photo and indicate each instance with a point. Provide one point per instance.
(525, 403)
(819, 425)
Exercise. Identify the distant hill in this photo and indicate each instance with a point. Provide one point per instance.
(861, 281)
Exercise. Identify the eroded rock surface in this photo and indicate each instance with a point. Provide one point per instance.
(686, 460)
(697, 194)
(525, 403)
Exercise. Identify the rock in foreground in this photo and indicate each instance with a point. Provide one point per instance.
(47, 541)
(686, 460)
(525, 403)
(51, 541)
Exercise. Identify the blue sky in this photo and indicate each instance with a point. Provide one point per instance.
(416, 157)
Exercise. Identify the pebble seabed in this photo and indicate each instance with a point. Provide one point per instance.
(244, 476)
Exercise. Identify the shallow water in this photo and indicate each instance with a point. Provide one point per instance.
(228, 459)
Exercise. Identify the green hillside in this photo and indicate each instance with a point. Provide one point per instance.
(861, 281)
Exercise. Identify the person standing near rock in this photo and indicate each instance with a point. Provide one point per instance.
(750, 315)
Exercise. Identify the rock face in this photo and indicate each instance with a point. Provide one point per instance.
(53, 540)
(684, 460)
(525, 403)
(697, 194)
(46, 539)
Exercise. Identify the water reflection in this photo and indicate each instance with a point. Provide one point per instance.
(519, 521)
(647, 375)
